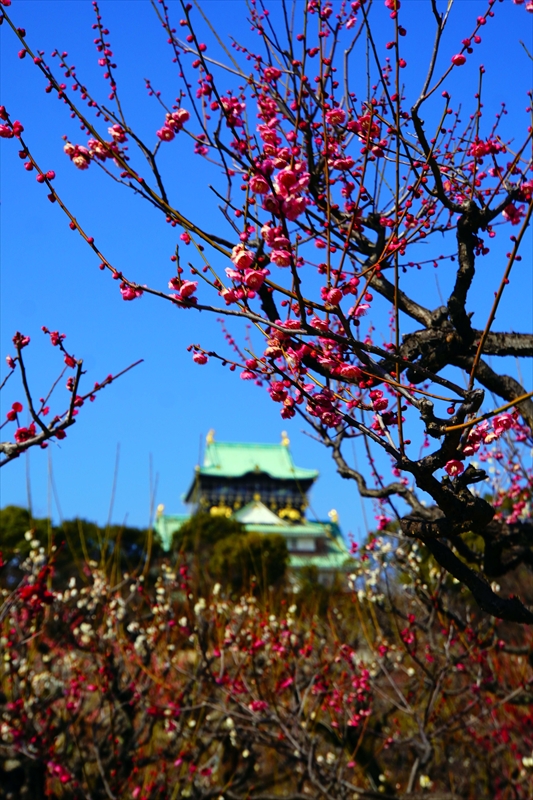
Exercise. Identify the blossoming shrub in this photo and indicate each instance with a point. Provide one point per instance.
(346, 147)
(113, 689)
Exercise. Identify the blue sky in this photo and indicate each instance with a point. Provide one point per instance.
(160, 412)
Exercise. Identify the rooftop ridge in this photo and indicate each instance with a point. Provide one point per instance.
(247, 444)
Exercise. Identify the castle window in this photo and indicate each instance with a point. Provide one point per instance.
(305, 545)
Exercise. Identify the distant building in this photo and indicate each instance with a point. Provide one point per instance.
(259, 485)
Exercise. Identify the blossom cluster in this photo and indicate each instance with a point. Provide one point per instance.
(193, 684)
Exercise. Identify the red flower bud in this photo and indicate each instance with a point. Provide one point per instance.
(458, 60)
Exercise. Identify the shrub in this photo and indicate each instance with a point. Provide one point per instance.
(239, 561)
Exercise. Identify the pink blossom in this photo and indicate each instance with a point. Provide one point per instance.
(273, 205)
(254, 279)
(129, 292)
(272, 74)
(286, 683)
(454, 467)
(513, 214)
(228, 295)
(79, 155)
(380, 404)
(291, 181)
(475, 438)
(526, 190)
(344, 163)
(258, 705)
(287, 410)
(282, 258)
(187, 289)
(20, 341)
(294, 206)
(259, 185)
(273, 236)
(350, 371)
(321, 324)
(166, 134)
(502, 423)
(177, 120)
(277, 391)
(99, 149)
(268, 134)
(118, 133)
(267, 233)
(6, 132)
(331, 296)
(290, 324)
(233, 109)
(336, 116)
(185, 237)
(479, 148)
(364, 127)
(285, 180)
(241, 257)
(200, 358)
(360, 311)
(24, 434)
(331, 418)
(233, 275)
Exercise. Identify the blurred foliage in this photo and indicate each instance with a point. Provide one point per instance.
(221, 550)
(314, 596)
(203, 531)
(71, 545)
(238, 561)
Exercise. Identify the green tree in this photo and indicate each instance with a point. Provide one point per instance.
(203, 531)
(238, 561)
(15, 522)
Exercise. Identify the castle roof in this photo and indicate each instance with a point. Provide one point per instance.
(336, 555)
(235, 459)
(258, 473)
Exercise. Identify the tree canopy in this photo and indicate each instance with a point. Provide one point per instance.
(338, 177)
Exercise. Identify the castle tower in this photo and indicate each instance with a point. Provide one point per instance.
(261, 487)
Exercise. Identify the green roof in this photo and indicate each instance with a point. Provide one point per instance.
(330, 561)
(234, 459)
(166, 525)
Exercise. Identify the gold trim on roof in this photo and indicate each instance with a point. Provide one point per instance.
(220, 511)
